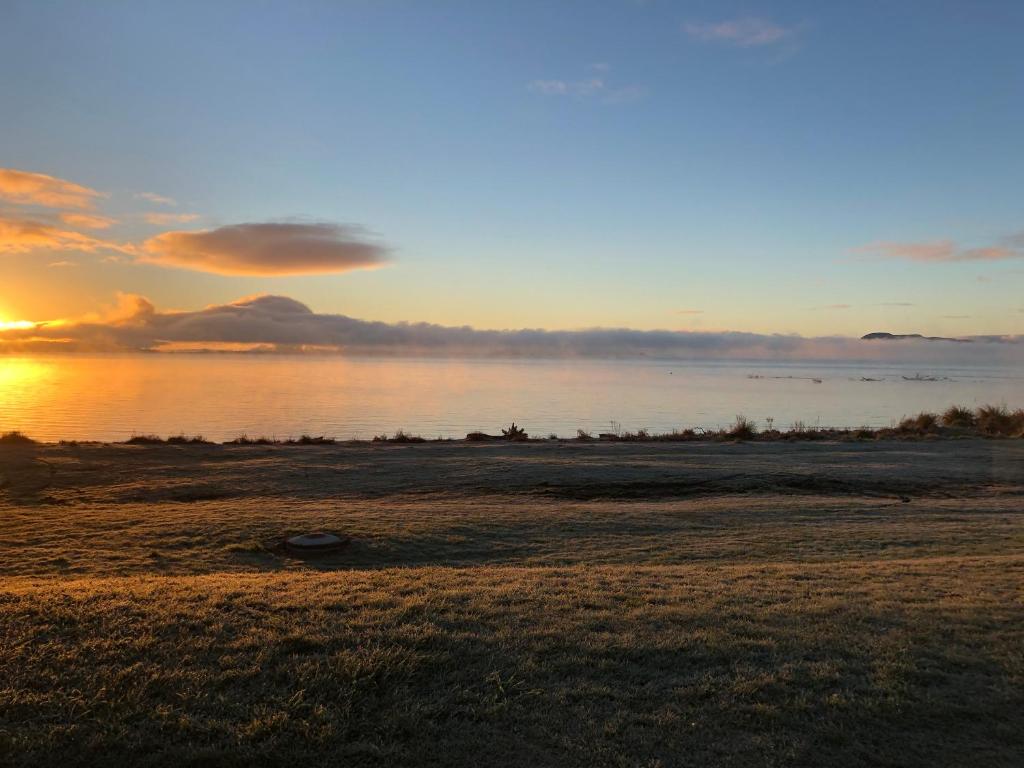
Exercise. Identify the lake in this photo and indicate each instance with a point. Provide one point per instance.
(221, 396)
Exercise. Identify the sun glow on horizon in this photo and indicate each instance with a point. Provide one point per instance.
(16, 325)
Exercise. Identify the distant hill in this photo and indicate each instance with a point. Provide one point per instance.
(882, 336)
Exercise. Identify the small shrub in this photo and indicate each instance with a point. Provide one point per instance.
(403, 437)
(186, 440)
(582, 434)
(514, 433)
(15, 438)
(246, 440)
(145, 440)
(310, 440)
(956, 416)
(743, 428)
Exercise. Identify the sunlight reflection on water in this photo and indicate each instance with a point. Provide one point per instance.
(110, 397)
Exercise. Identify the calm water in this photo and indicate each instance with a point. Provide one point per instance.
(222, 396)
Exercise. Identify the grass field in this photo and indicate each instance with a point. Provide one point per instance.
(627, 605)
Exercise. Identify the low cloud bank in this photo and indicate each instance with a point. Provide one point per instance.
(281, 324)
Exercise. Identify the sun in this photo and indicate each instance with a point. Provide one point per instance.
(16, 325)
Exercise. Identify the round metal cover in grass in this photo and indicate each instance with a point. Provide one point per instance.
(316, 542)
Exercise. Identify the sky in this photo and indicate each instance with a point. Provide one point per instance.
(820, 169)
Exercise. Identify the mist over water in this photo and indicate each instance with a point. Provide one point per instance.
(111, 397)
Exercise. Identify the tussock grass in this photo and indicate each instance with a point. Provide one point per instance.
(246, 440)
(311, 440)
(922, 424)
(958, 416)
(15, 438)
(998, 420)
(188, 440)
(742, 429)
(400, 436)
(144, 440)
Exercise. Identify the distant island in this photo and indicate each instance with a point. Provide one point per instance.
(881, 335)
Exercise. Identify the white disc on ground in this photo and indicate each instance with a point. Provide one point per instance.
(316, 542)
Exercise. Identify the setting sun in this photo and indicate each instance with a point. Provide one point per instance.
(16, 325)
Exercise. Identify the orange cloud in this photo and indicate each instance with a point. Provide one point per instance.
(268, 249)
(25, 235)
(166, 219)
(27, 188)
(87, 220)
(938, 251)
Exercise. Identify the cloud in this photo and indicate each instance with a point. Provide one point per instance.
(689, 311)
(956, 317)
(153, 197)
(745, 32)
(61, 264)
(275, 248)
(26, 188)
(87, 220)
(18, 235)
(938, 251)
(838, 306)
(281, 324)
(895, 304)
(167, 219)
(563, 87)
(595, 85)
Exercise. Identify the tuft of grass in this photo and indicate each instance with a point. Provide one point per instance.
(188, 440)
(310, 440)
(15, 438)
(999, 421)
(922, 424)
(400, 436)
(743, 428)
(958, 416)
(583, 435)
(677, 435)
(246, 440)
(144, 440)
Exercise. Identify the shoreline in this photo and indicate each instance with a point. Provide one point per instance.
(989, 421)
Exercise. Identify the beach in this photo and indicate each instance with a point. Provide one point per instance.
(548, 603)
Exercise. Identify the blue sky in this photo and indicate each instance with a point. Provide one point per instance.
(767, 167)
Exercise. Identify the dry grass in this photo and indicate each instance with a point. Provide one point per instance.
(686, 603)
(958, 416)
(911, 663)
